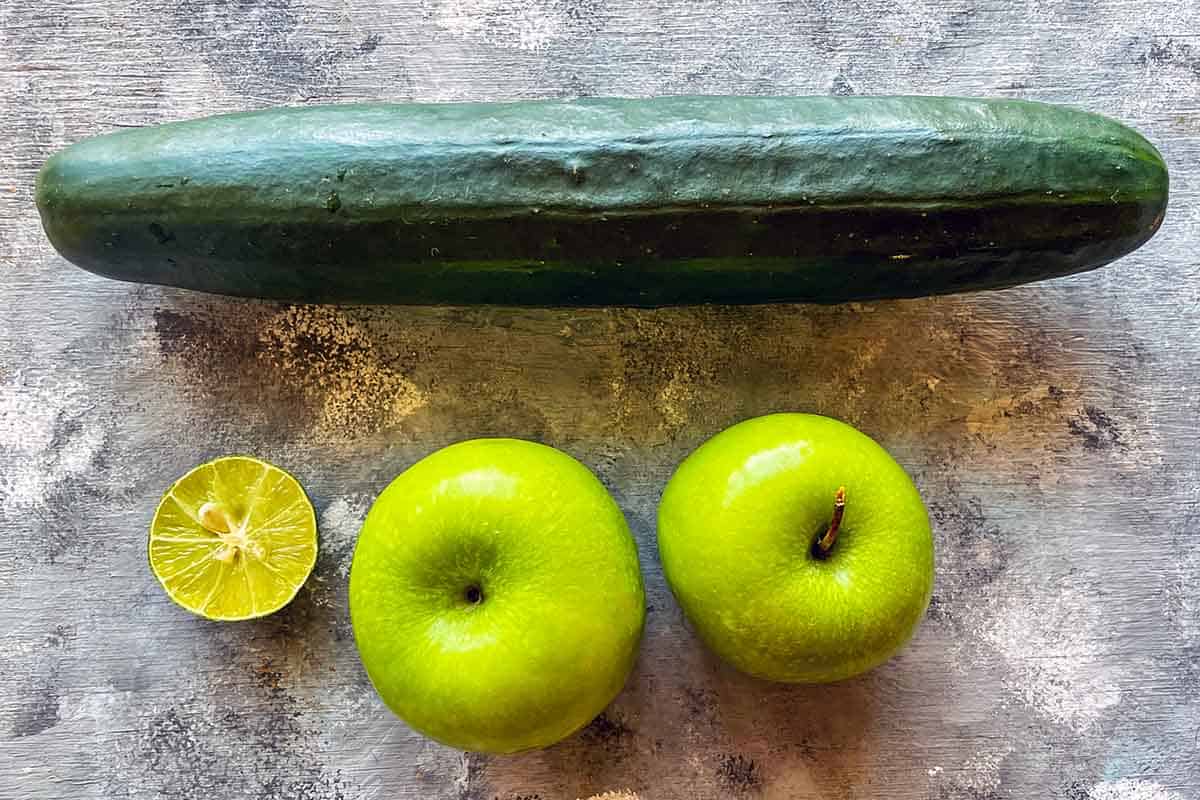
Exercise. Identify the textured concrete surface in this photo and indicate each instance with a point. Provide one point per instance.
(1052, 428)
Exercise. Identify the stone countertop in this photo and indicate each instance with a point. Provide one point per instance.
(1051, 428)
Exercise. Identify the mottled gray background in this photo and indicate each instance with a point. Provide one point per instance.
(1052, 428)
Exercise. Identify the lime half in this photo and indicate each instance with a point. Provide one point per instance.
(233, 539)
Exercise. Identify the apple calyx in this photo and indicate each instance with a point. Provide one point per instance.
(824, 542)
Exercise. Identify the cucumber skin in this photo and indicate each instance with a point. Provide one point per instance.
(653, 202)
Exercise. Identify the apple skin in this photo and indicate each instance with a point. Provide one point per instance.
(736, 527)
(553, 632)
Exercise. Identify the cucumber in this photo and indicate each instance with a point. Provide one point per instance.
(651, 202)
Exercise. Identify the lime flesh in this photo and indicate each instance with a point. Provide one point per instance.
(233, 539)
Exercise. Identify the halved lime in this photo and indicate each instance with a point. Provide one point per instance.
(233, 539)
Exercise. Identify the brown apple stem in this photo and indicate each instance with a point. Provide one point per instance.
(825, 541)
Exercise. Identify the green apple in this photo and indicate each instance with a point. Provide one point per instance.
(798, 548)
(495, 596)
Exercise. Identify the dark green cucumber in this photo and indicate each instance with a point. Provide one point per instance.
(609, 202)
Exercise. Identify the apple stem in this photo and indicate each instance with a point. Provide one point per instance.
(824, 542)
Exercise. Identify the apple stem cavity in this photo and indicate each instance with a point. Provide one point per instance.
(474, 595)
(824, 543)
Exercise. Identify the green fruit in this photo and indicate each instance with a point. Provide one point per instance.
(495, 595)
(738, 531)
(233, 539)
(609, 201)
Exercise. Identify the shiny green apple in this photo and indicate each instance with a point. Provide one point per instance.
(495, 595)
(798, 548)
